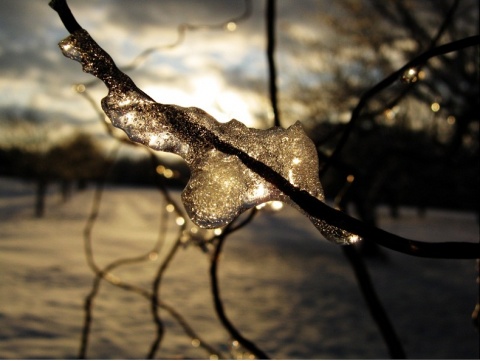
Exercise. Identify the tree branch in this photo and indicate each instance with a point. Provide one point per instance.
(308, 203)
(219, 309)
(392, 78)
(68, 20)
(318, 209)
(272, 71)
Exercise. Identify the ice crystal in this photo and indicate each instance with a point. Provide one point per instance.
(221, 185)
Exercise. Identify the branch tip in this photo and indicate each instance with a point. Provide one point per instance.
(65, 14)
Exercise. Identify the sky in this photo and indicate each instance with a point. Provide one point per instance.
(220, 70)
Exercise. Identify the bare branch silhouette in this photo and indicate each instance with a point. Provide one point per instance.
(272, 70)
(368, 291)
(392, 78)
(219, 308)
(316, 208)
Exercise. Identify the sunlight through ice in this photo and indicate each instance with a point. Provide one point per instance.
(221, 185)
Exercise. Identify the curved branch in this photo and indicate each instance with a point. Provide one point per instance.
(155, 299)
(312, 206)
(318, 209)
(272, 71)
(236, 335)
(392, 78)
(373, 303)
(68, 20)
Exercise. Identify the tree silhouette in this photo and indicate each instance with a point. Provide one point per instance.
(402, 139)
(29, 152)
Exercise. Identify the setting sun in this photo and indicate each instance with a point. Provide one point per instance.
(212, 94)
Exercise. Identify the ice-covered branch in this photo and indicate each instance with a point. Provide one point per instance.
(233, 167)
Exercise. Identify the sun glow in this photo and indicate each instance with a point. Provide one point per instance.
(210, 93)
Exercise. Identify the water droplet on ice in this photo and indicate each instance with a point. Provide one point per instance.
(410, 76)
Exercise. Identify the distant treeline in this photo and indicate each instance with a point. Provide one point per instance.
(398, 166)
(78, 161)
(388, 165)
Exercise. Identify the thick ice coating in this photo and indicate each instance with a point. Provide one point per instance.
(221, 185)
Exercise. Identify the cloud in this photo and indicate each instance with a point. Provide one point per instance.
(34, 73)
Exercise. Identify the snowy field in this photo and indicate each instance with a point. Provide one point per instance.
(283, 286)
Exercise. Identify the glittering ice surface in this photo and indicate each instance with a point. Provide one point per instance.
(221, 185)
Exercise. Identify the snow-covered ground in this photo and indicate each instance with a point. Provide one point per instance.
(283, 286)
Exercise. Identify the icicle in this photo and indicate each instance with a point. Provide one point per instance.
(221, 185)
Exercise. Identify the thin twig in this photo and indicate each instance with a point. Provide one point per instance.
(105, 273)
(270, 16)
(373, 303)
(219, 308)
(368, 290)
(182, 31)
(68, 20)
(88, 250)
(441, 30)
(155, 300)
(88, 317)
(389, 80)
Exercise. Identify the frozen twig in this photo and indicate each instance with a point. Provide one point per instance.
(103, 66)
